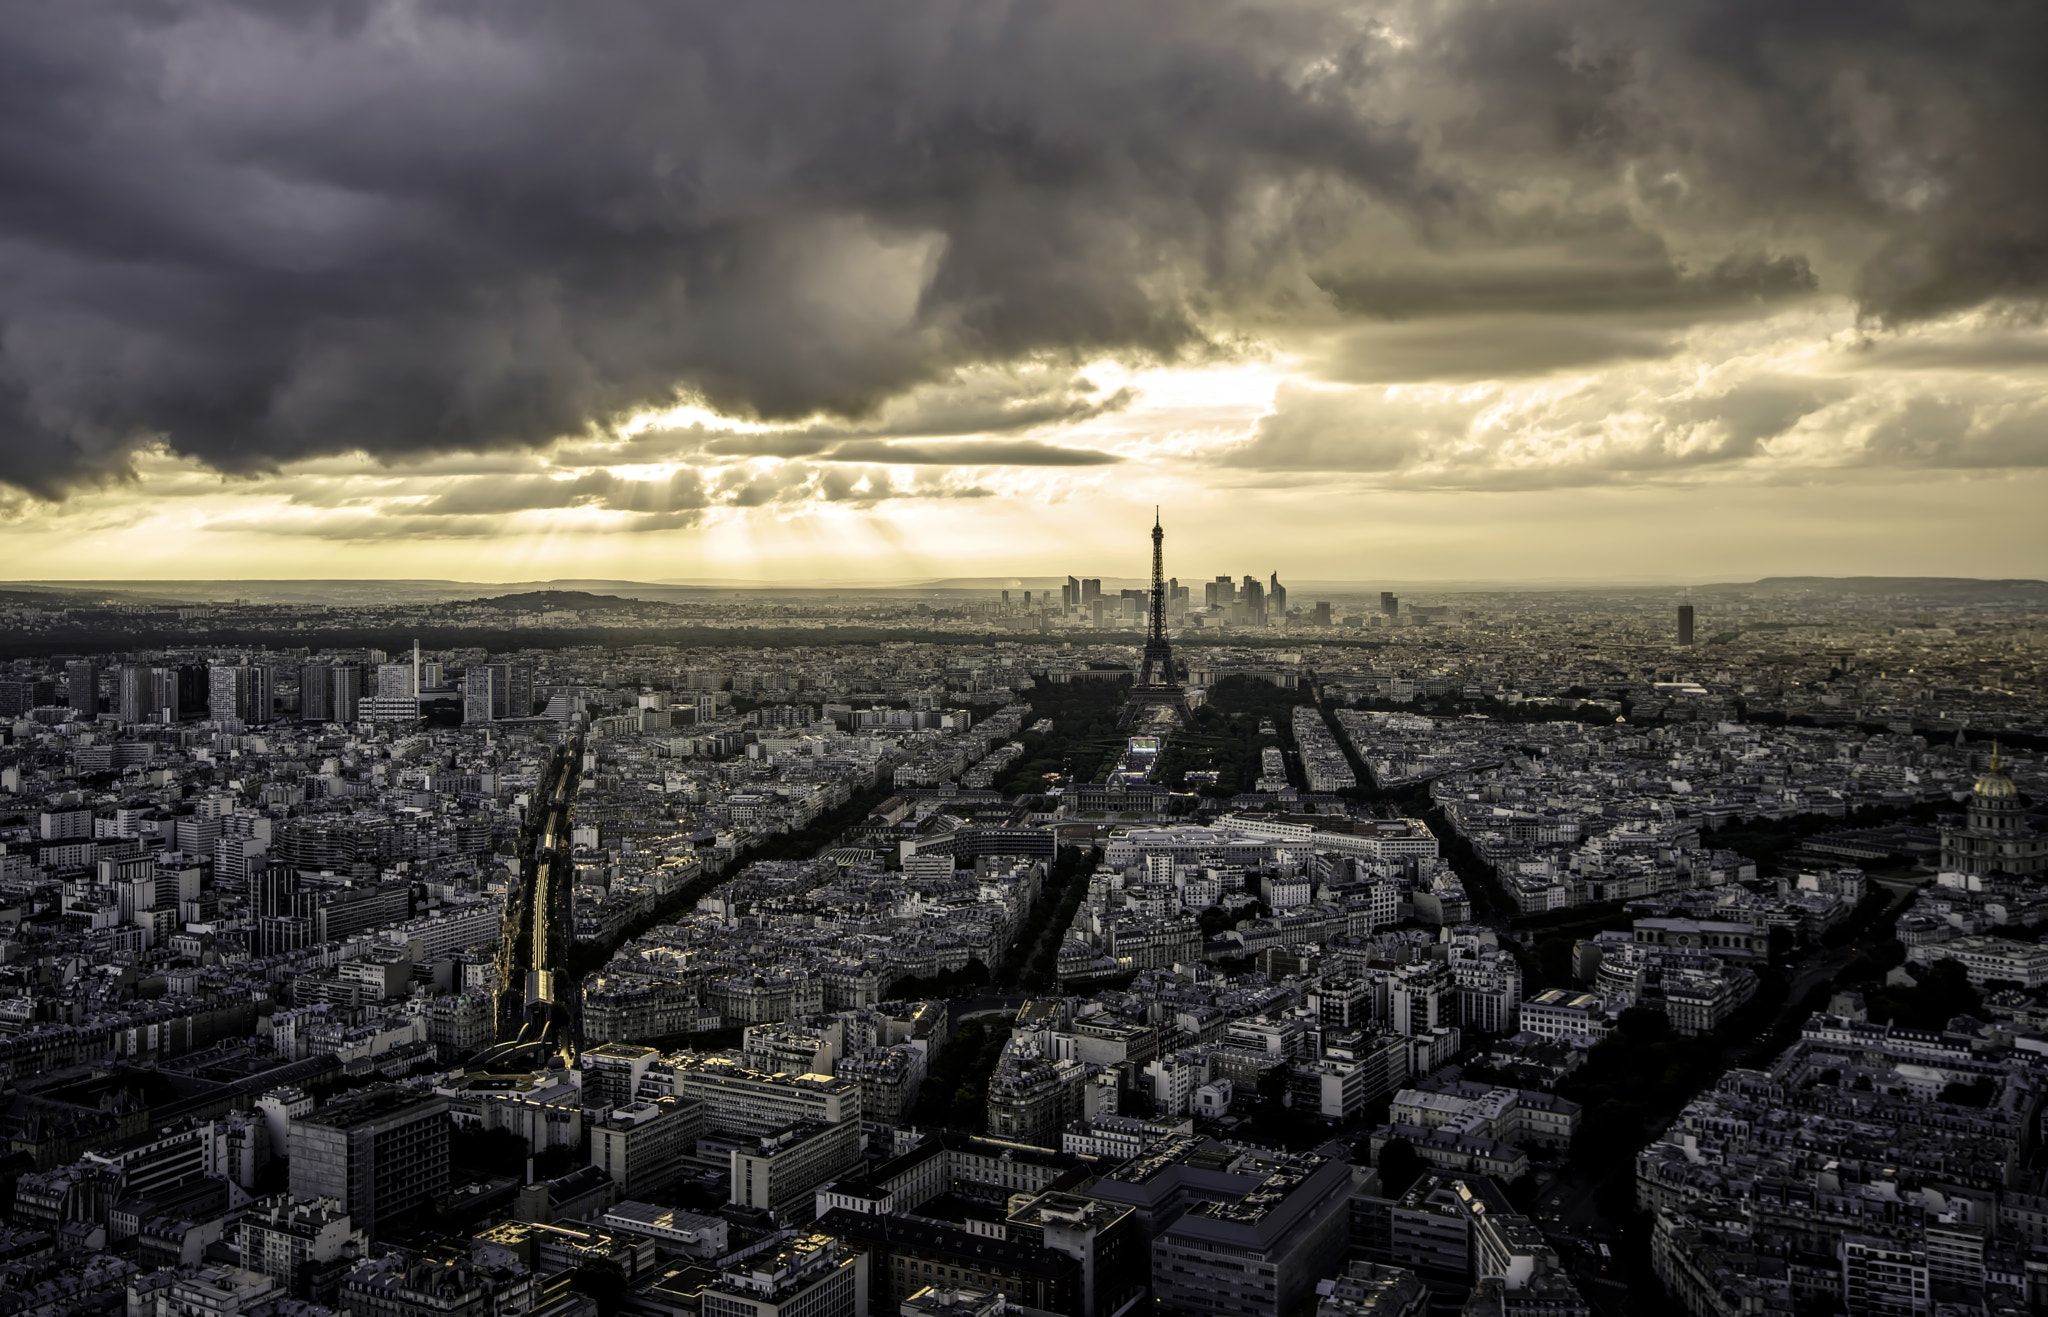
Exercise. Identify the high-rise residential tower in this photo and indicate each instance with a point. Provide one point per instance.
(82, 687)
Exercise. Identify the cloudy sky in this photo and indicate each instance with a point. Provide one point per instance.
(891, 289)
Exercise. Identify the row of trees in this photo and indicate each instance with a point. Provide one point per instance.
(955, 1090)
(1082, 741)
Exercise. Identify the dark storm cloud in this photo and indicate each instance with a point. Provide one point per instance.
(1571, 283)
(482, 507)
(259, 233)
(957, 452)
(263, 233)
(1999, 351)
(1910, 130)
(988, 403)
(969, 452)
(1475, 348)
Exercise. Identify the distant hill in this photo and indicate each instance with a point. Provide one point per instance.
(1951, 587)
(550, 601)
(66, 596)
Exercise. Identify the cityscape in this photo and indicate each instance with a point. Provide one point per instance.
(1042, 949)
(1023, 658)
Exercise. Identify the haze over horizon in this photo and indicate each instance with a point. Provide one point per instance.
(879, 293)
(309, 587)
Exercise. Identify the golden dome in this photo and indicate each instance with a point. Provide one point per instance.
(1995, 785)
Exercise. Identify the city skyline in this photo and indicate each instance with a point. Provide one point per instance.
(1357, 953)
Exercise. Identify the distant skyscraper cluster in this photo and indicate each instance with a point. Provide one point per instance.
(1224, 602)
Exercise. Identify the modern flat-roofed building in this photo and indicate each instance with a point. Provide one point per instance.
(780, 1172)
(1260, 1251)
(743, 1101)
(810, 1276)
(381, 1154)
(1103, 1237)
(1234, 1230)
(673, 1230)
(1883, 1276)
(644, 1146)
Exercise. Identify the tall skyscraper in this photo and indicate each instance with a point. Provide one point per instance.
(345, 693)
(1276, 598)
(1253, 596)
(484, 692)
(1685, 624)
(132, 693)
(1390, 605)
(18, 697)
(194, 689)
(262, 695)
(383, 1153)
(518, 691)
(82, 687)
(227, 692)
(240, 691)
(167, 702)
(316, 693)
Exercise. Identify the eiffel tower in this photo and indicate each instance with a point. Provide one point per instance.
(1158, 696)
